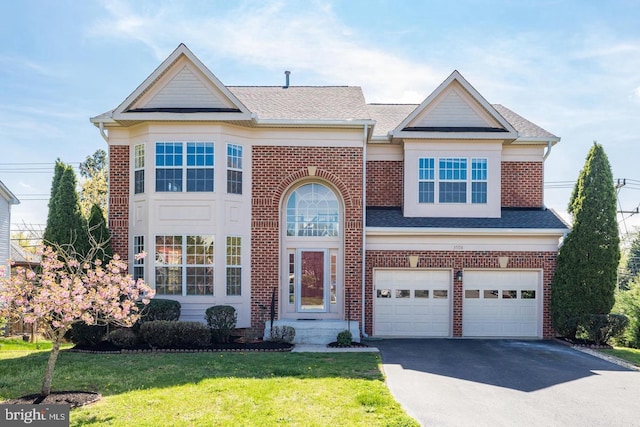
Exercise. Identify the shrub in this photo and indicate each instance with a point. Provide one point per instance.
(600, 328)
(222, 320)
(85, 335)
(160, 309)
(158, 333)
(344, 338)
(628, 303)
(191, 335)
(282, 334)
(175, 334)
(124, 337)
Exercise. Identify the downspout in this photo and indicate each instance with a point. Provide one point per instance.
(364, 223)
(549, 145)
(103, 133)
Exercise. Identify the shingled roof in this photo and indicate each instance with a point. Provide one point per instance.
(303, 102)
(389, 116)
(510, 218)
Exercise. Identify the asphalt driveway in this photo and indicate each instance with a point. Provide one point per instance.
(461, 382)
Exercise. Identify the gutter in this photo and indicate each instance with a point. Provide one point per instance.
(364, 224)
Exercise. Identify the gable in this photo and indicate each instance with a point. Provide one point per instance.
(181, 88)
(455, 110)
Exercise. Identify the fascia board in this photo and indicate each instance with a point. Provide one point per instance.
(314, 123)
(150, 117)
(505, 137)
(428, 231)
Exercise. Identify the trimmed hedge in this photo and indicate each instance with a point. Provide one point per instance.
(175, 334)
(124, 337)
(222, 320)
(82, 334)
(160, 309)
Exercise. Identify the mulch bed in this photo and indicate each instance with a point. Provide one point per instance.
(585, 343)
(107, 347)
(72, 398)
(352, 345)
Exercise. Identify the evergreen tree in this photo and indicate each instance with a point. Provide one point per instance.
(94, 185)
(99, 236)
(586, 273)
(65, 225)
(57, 174)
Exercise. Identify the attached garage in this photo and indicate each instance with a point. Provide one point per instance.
(502, 303)
(412, 303)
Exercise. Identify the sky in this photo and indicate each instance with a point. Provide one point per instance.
(570, 66)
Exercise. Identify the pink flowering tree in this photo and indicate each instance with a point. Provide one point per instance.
(66, 291)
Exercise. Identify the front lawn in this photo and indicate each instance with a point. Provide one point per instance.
(20, 344)
(222, 389)
(631, 355)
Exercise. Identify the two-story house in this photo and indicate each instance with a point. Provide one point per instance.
(406, 220)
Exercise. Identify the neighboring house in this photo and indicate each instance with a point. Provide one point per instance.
(23, 258)
(7, 198)
(238, 192)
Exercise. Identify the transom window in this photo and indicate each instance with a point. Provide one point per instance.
(172, 169)
(313, 211)
(453, 180)
(184, 265)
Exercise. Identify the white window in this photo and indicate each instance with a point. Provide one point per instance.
(172, 170)
(447, 180)
(234, 265)
(313, 210)
(138, 264)
(234, 169)
(184, 265)
(138, 169)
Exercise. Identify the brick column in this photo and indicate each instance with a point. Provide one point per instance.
(119, 199)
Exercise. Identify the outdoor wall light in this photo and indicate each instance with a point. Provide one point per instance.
(459, 275)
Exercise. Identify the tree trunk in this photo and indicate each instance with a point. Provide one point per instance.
(48, 373)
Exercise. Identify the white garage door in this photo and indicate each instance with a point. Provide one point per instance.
(412, 303)
(502, 303)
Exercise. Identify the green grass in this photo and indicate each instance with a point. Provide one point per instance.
(20, 344)
(221, 389)
(631, 355)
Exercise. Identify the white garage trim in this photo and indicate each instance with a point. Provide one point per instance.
(502, 303)
(412, 302)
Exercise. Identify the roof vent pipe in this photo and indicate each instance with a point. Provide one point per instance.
(286, 77)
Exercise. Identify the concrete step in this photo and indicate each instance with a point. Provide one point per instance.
(316, 331)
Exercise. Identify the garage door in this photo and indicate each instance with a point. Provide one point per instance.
(501, 304)
(412, 303)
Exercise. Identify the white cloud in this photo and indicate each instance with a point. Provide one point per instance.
(311, 41)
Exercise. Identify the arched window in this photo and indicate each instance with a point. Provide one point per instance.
(313, 211)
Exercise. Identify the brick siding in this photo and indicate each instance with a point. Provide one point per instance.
(385, 183)
(119, 199)
(522, 184)
(275, 171)
(458, 260)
